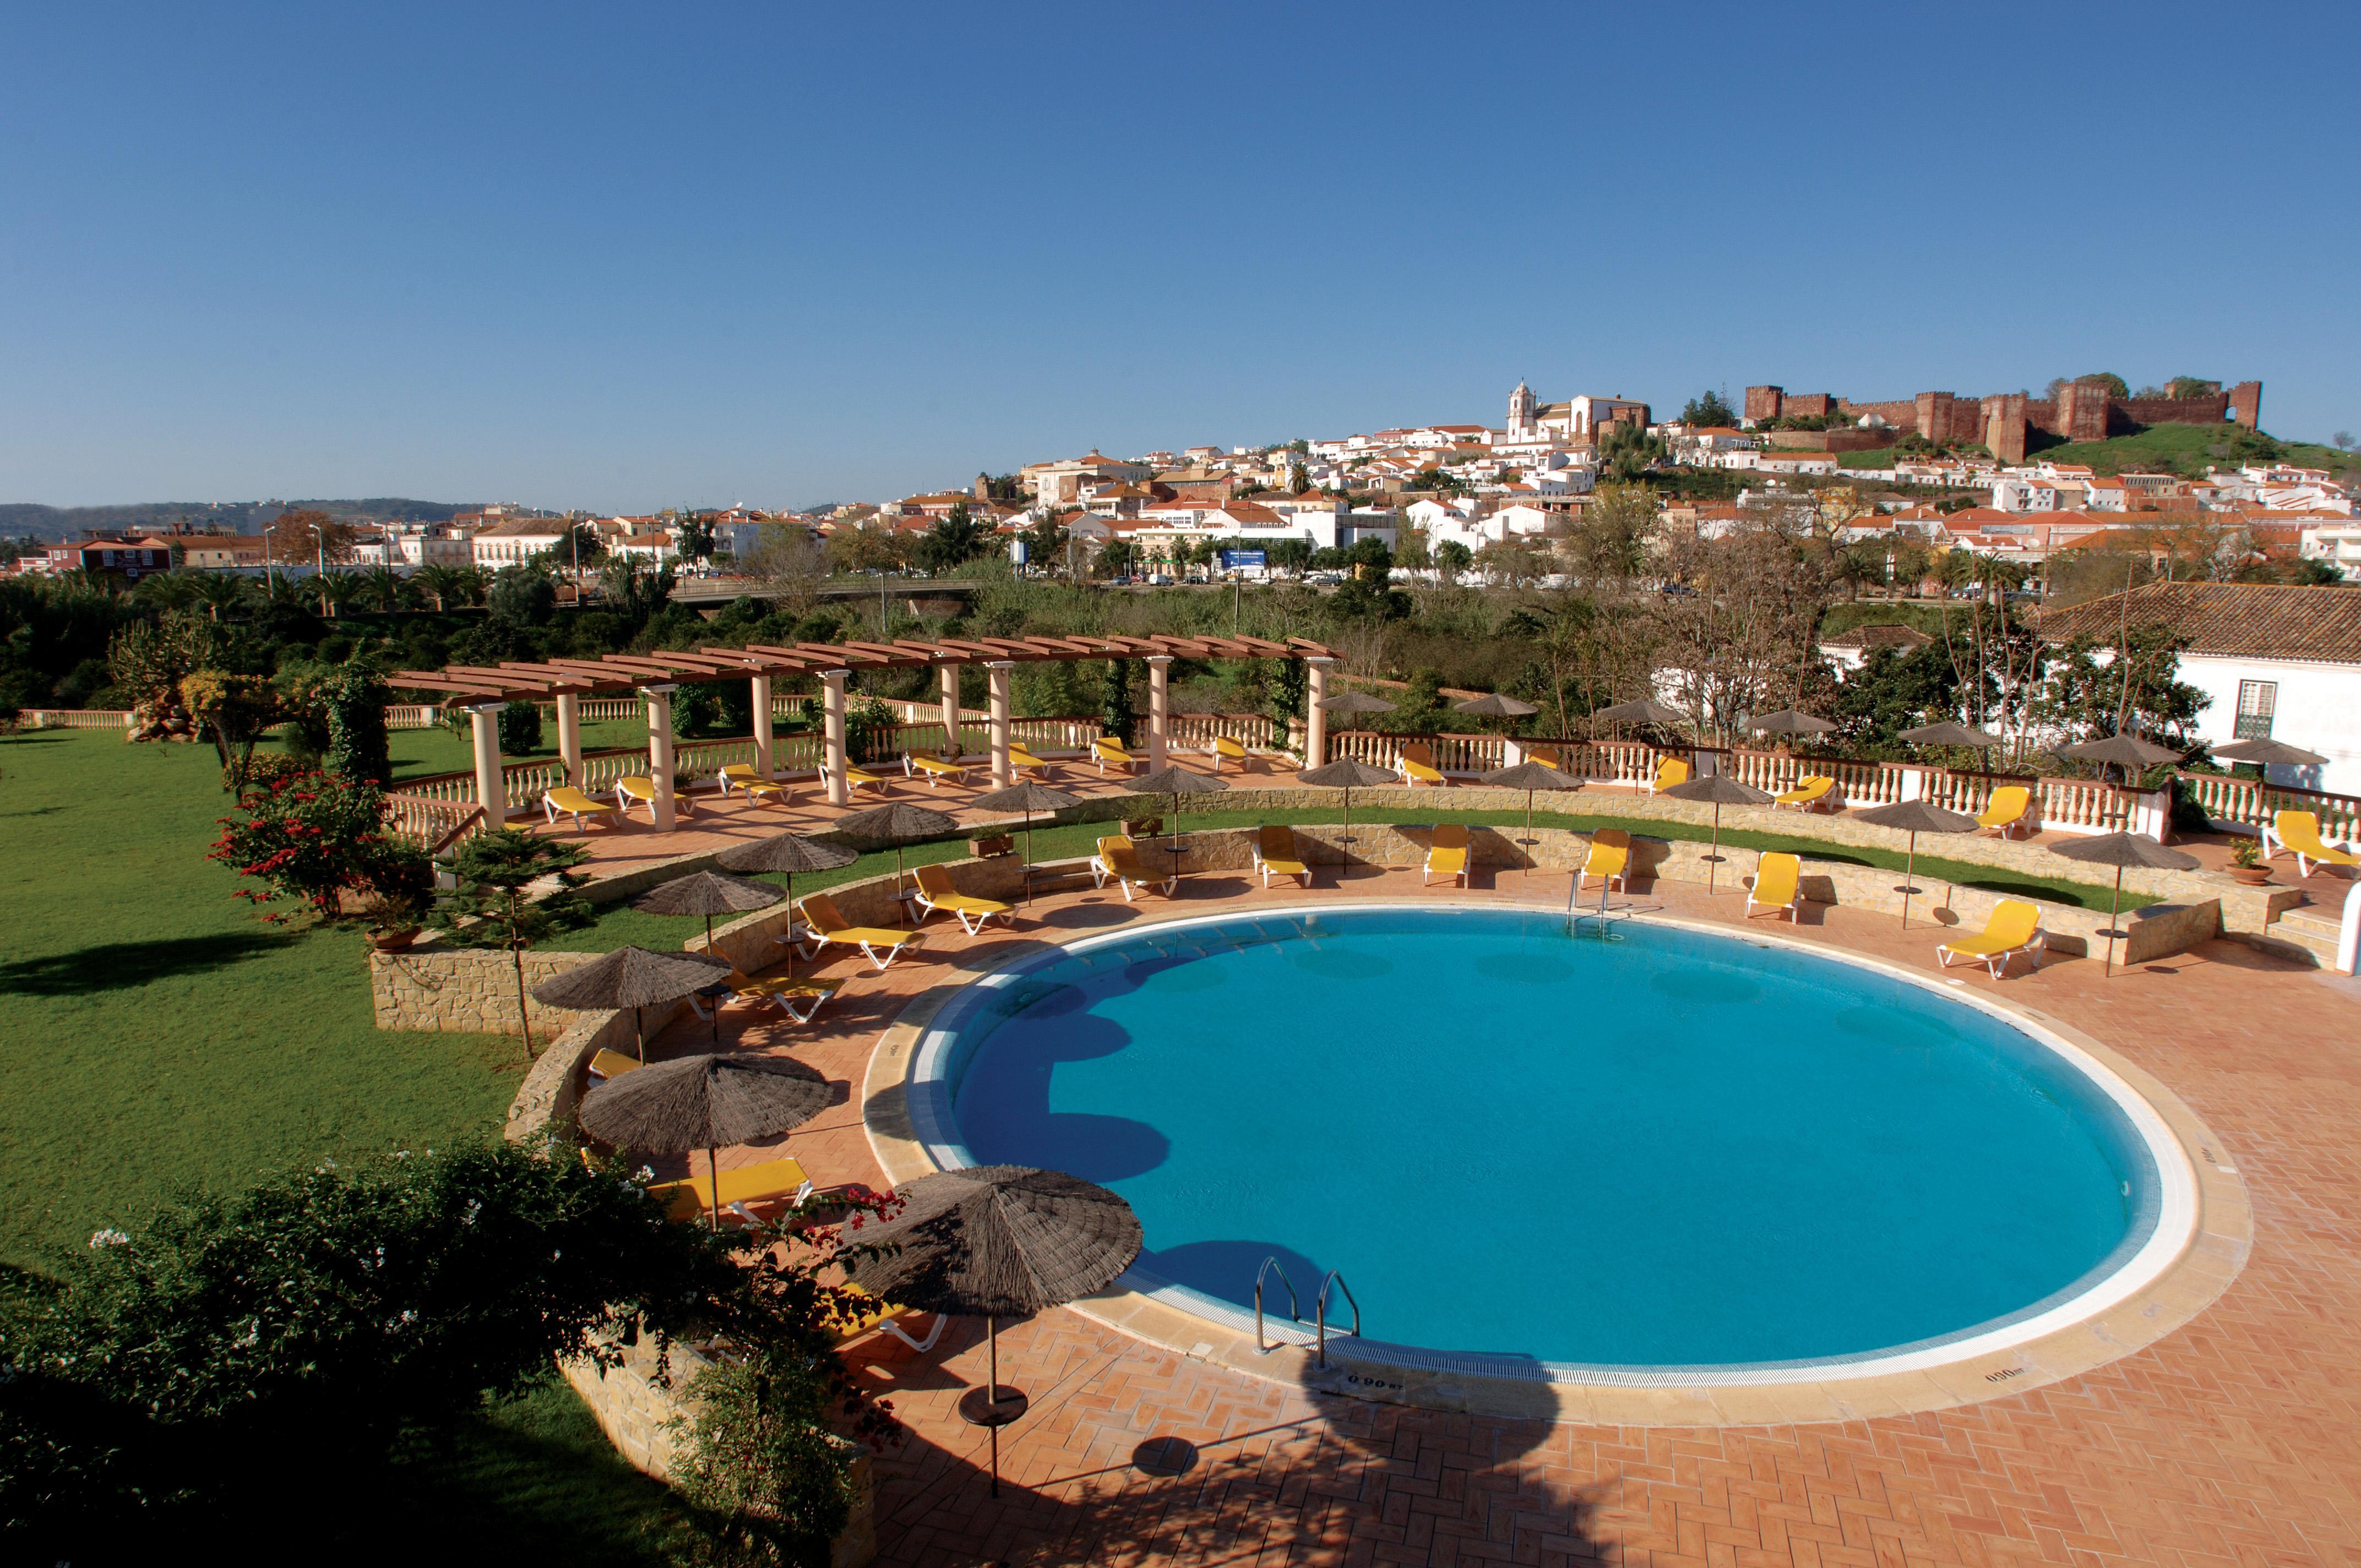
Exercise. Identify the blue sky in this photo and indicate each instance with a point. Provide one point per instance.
(628, 257)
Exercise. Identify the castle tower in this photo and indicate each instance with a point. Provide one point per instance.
(1522, 406)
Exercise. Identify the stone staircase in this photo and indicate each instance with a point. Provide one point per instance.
(2307, 933)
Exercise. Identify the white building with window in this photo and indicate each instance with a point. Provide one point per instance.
(2275, 663)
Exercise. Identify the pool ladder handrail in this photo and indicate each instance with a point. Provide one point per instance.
(1294, 1306)
(1320, 1309)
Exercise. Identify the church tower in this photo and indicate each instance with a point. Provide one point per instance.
(1522, 406)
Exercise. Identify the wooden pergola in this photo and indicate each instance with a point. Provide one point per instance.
(482, 689)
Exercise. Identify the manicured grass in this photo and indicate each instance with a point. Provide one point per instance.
(442, 750)
(2185, 447)
(618, 923)
(154, 1032)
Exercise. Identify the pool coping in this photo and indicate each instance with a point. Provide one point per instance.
(2202, 1239)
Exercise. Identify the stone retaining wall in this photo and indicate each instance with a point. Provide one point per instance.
(433, 988)
(636, 1412)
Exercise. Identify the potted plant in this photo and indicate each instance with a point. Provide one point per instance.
(2247, 863)
(401, 877)
(394, 919)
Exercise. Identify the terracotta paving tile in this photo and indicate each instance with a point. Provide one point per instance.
(2236, 1440)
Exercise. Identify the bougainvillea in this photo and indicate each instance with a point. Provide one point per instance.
(310, 836)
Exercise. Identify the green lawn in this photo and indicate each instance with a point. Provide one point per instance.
(155, 1036)
(442, 750)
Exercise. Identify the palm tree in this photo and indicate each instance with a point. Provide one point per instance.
(440, 583)
(218, 591)
(338, 590)
(387, 588)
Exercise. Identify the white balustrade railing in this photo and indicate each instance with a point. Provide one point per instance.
(1197, 731)
(2252, 803)
(75, 718)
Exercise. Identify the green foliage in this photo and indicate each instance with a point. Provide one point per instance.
(868, 730)
(2190, 386)
(353, 700)
(959, 538)
(1627, 451)
(1892, 692)
(696, 709)
(2139, 690)
(314, 836)
(238, 1348)
(1115, 715)
(519, 729)
(147, 658)
(1709, 411)
(2116, 387)
(493, 907)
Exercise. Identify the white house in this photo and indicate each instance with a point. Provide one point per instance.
(515, 542)
(2275, 663)
(2340, 547)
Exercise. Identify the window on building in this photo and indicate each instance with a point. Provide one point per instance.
(2257, 699)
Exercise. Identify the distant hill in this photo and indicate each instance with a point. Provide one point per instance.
(2185, 449)
(19, 518)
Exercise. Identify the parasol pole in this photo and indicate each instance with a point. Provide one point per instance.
(639, 1035)
(1028, 855)
(992, 1391)
(1713, 857)
(713, 1166)
(1909, 875)
(2108, 969)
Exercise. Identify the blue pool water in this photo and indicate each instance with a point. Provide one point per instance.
(1654, 1148)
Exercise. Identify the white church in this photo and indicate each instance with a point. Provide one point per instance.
(1577, 420)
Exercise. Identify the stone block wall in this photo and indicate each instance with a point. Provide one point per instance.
(637, 1409)
(435, 987)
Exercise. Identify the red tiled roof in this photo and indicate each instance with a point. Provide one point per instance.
(2261, 620)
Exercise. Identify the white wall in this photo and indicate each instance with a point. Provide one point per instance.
(2319, 709)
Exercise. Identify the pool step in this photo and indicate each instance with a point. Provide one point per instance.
(2308, 932)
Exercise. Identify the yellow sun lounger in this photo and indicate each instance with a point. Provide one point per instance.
(568, 801)
(1670, 771)
(882, 1315)
(1109, 752)
(2015, 927)
(773, 1182)
(1810, 792)
(640, 790)
(1546, 757)
(825, 925)
(2009, 808)
(1276, 853)
(1777, 878)
(936, 891)
(1417, 766)
(1022, 761)
(611, 1064)
(855, 777)
(1446, 854)
(782, 993)
(1609, 860)
(1229, 747)
(1118, 858)
(2297, 833)
(744, 775)
(935, 768)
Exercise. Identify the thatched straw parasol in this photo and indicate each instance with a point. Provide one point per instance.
(1721, 790)
(1528, 776)
(897, 823)
(1492, 705)
(1787, 721)
(1176, 783)
(1914, 818)
(1348, 773)
(1028, 797)
(633, 978)
(1950, 732)
(2126, 751)
(1354, 702)
(998, 1241)
(785, 854)
(704, 1103)
(707, 894)
(2267, 752)
(2121, 851)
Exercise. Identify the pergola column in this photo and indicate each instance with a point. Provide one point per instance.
(660, 752)
(1315, 717)
(1160, 702)
(762, 684)
(1002, 774)
(570, 736)
(946, 682)
(840, 791)
(491, 783)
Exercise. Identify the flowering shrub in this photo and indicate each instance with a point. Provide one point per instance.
(311, 835)
(267, 1348)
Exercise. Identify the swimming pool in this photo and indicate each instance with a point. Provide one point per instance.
(1642, 1147)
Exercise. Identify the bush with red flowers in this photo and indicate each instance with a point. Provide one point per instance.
(313, 837)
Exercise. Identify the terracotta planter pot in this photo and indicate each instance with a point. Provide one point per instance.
(2251, 876)
(393, 941)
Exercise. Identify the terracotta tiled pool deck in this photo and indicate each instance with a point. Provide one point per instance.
(2235, 1440)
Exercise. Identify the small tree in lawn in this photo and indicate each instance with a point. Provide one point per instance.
(494, 907)
(310, 836)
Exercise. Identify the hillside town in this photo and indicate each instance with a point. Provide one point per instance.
(1483, 501)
